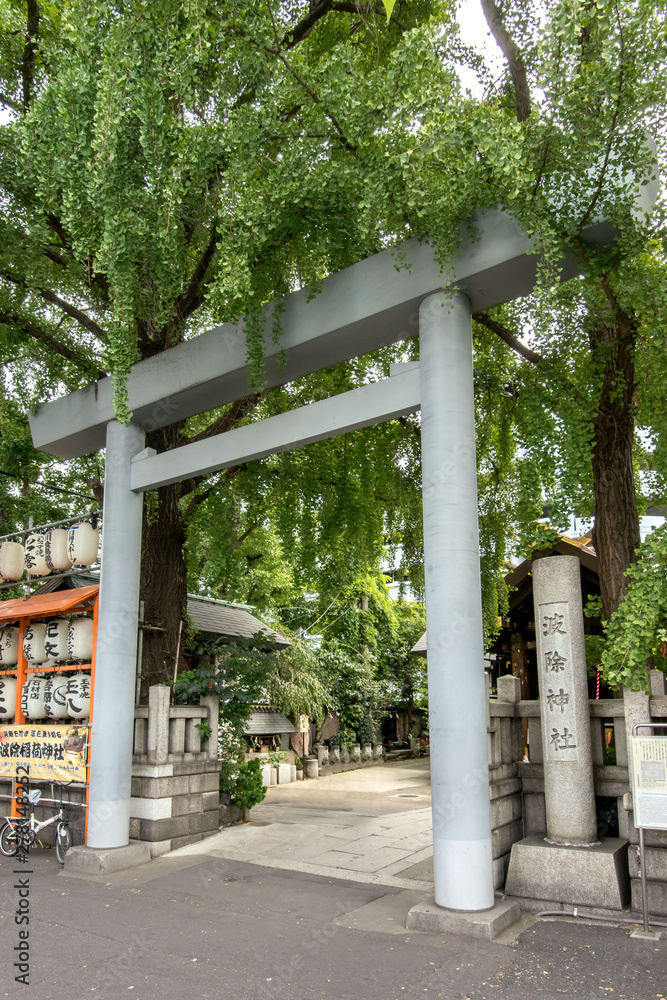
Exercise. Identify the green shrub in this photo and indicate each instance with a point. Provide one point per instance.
(250, 790)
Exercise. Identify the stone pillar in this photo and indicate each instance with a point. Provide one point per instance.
(457, 689)
(566, 729)
(116, 653)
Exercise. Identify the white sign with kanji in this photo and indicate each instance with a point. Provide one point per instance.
(649, 781)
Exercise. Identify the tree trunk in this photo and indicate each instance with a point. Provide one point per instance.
(163, 573)
(616, 532)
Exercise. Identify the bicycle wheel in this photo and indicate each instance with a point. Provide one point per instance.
(8, 840)
(63, 841)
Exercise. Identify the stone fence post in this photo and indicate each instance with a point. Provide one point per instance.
(159, 697)
(212, 703)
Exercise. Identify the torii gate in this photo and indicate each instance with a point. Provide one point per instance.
(364, 307)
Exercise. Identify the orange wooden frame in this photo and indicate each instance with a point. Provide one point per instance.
(28, 609)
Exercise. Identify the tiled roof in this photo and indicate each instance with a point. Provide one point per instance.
(420, 646)
(267, 722)
(231, 620)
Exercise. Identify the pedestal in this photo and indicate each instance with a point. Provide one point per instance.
(581, 876)
(434, 919)
(83, 860)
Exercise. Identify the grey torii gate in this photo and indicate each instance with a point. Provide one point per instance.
(366, 306)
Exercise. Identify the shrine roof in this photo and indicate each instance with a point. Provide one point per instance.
(45, 604)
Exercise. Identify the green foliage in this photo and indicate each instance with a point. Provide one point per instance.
(294, 684)
(595, 647)
(401, 675)
(346, 737)
(204, 730)
(354, 690)
(543, 536)
(639, 627)
(237, 673)
(248, 789)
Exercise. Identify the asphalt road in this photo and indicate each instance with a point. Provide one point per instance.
(205, 927)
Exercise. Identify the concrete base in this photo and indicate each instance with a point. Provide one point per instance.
(586, 876)
(102, 861)
(427, 916)
(647, 935)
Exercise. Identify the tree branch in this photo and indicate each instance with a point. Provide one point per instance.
(513, 55)
(192, 295)
(276, 51)
(320, 9)
(536, 359)
(49, 296)
(12, 105)
(510, 339)
(29, 53)
(354, 8)
(304, 27)
(37, 333)
(189, 485)
(77, 314)
(240, 409)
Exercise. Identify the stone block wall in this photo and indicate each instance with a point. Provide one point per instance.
(175, 774)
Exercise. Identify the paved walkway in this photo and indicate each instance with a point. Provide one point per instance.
(372, 825)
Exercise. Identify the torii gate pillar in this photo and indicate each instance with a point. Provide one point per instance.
(116, 654)
(457, 698)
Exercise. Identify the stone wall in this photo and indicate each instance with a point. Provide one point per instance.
(175, 774)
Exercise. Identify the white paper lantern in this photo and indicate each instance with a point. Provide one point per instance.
(55, 551)
(55, 644)
(80, 639)
(9, 646)
(11, 560)
(35, 555)
(34, 643)
(32, 699)
(78, 696)
(82, 544)
(7, 698)
(55, 697)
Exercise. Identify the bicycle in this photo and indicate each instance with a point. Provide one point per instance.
(12, 834)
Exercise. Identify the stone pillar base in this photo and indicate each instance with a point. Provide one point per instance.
(584, 876)
(84, 860)
(427, 916)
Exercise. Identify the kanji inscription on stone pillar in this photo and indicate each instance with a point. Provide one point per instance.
(555, 656)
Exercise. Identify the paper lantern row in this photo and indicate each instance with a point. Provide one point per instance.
(47, 698)
(48, 642)
(58, 549)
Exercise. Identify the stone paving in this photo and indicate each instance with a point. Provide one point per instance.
(371, 825)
